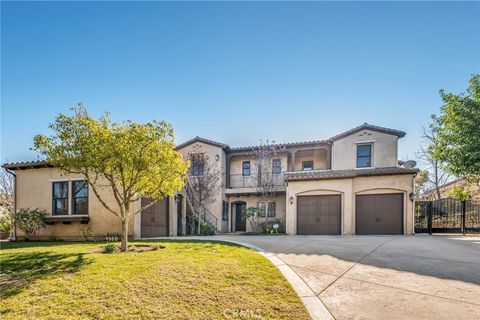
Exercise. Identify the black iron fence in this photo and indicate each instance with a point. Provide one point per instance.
(447, 216)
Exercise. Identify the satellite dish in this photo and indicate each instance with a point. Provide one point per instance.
(410, 164)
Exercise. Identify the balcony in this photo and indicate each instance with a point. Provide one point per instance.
(254, 183)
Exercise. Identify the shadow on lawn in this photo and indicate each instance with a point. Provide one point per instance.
(19, 270)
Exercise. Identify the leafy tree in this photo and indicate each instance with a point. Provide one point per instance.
(6, 200)
(460, 193)
(128, 159)
(30, 221)
(436, 175)
(459, 131)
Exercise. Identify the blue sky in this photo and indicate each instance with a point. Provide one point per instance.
(234, 72)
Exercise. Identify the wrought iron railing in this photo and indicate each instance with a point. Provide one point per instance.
(447, 215)
(255, 180)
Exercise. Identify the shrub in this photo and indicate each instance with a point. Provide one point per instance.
(268, 226)
(30, 221)
(5, 223)
(206, 230)
(110, 248)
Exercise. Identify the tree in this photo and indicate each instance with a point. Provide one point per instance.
(30, 221)
(128, 159)
(6, 196)
(436, 175)
(459, 131)
(268, 179)
(203, 184)
(421, 182)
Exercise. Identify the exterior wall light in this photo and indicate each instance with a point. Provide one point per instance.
(411, 196)
(217, 157)
(291, 199)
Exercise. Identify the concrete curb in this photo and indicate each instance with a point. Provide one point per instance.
(314, 305)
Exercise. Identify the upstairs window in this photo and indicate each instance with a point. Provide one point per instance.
(364, 156)
(60, 198)
(80, 197)
(246, 168)
(197, 165)
(307, 165)
(276, 166)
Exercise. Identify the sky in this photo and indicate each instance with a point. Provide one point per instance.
(234, 72)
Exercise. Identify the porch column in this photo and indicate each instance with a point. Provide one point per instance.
(329, 157)
(184, 216)
(291, 167)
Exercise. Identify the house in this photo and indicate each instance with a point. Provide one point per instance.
(446, 188)
(348, 184)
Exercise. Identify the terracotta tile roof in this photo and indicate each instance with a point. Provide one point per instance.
(280, 145)
(200, 139)
(27, 165)
(343, 174)
(367, 126)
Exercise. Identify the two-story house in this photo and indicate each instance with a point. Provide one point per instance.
(348, 184)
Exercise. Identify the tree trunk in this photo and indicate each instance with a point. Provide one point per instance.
(124, 245)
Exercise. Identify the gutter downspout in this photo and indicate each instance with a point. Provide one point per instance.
(14, 235)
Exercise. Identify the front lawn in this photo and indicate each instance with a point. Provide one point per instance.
(185, 280)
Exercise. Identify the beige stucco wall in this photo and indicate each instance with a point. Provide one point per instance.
(384, 150)
(348, 188)
(236, 178)
(211, 152)
(252, 201)
(34, 190)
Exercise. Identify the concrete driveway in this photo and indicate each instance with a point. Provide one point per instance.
(384, 277)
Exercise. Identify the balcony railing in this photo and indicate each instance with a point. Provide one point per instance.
(255, 180)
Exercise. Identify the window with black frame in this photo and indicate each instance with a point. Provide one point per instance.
(276, 166)
(225, 211)
(80, 197)
(245, 168)
(197, 165)
(271, 209)
(364, 156)
(60, 198)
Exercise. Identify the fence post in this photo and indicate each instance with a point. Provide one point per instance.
(464, 214)
(429, 214)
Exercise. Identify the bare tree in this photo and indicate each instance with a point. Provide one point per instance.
(203, 184)
(267, 172)
(7, 195)
(437, 175)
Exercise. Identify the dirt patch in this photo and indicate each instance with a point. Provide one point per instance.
(131, 248)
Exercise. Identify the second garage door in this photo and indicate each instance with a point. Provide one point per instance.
(319, 214)
(379, 214)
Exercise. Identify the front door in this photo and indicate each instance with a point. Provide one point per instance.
(240, 224)
(154, 219)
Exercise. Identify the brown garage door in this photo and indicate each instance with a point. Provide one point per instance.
(379, 214)
(319, 214)
(154, 219)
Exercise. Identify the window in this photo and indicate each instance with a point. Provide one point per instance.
(245, 168)
(60, 198)
(271, 209)
(262, 206)
(276, 166)
(266, 207)
(197, 165)
(80, 197)
(307, 165)
(225, 211)
(364, 156)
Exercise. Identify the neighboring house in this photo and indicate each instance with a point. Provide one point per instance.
(447, 187)
(348, 184)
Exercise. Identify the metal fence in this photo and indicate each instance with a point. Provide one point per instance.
(447, 216)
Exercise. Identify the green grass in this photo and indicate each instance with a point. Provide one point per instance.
(185, 280)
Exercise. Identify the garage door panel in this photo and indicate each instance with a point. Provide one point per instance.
(319, 214)
(154, 220)
(379, 214)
